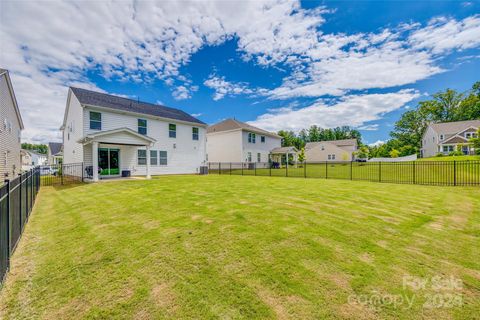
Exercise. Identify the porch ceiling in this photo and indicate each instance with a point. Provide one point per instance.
(121, 136)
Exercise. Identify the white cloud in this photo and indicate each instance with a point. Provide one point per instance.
(353, 110)
(224, 88)
(442, 35)
(377, 143)
(369, 127)
(196, 115)
(51, 45)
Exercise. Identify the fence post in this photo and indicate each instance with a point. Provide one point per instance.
(20, 196)
(414, 173)
(270, 168)
(219, 168)
(83, 170)
(255, 168)
(7, 182)
(379, 171)
(31, 189)
(326, 170)
(286, 168)
(61, 172)
(305, 168)
(351, 170)
(454, 172)
(230, 168)
(242, 168)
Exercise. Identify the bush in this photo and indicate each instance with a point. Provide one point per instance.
(439, 155)
(455, 153)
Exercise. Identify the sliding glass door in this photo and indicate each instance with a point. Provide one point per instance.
(109, 161)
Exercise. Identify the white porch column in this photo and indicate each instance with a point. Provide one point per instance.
(95, 160)
(148, 163)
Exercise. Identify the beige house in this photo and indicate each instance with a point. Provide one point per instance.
(446, 137)
(11, 126)
(235, 141)
(336, 150)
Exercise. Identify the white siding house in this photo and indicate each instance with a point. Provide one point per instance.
(10, 130)
(445, 137)
(110, 134)
(235, 141)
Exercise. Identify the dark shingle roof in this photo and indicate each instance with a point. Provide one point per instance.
(55, 147)
(123, 104)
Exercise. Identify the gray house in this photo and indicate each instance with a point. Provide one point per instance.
(446, 137)
(11, 126)
(55, 153)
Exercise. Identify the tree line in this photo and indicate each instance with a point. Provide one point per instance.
(39, 148)
(406, 137)
(316, 133)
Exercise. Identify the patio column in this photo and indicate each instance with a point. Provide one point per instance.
(148, 163)
(95, 160)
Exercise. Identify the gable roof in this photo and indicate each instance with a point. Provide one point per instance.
(454, 127)
(338, 143)
(454, 139)
(12, 93)
(92, 98)
(90, 137)
(233, 124)
(283, 150)
(55, 147)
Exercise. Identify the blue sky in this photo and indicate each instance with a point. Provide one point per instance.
(277, 64)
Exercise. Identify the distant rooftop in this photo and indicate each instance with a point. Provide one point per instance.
(92, 98)
(454, 127)
(338, 143)
(233, 124)
(55, 147)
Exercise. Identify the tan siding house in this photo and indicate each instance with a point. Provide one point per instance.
(336, 150)
(446, 137)
(10, 130)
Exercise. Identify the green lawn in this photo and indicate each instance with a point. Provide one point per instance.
(451, 158)
(228, 247)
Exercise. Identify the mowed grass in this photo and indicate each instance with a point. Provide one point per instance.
(230, 247)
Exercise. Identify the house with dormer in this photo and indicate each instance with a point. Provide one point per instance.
(445, 137)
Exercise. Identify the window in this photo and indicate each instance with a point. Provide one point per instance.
(329, 157)
(323, 147)
(259, 157)
(142, 126)
(441, 137)
(262, 139)
(251, 137)
(172, 130)
(194, 133)
(95, 120)
(153, 157)
(249, 157)
(333, 157)
(447, 148)
(142, 157)
(163, 158)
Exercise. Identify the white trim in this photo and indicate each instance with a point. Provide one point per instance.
(91, 137)
(14, 99)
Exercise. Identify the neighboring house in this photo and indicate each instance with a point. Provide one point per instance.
(55, 153)
(11, 126)
(335, 150)
(446, 137)
(32, 159)
(110, 134)
(235, 141)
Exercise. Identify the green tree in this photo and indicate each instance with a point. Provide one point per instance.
(362, 152)
(394, 153)
(476, 142)
(301, 155)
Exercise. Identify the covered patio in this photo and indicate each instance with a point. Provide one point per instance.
(108, 153)
(282, 155)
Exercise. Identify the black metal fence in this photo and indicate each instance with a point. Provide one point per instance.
(60, 174)
(443, 173)
(17, 197)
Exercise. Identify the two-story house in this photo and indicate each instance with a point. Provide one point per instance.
(335, 150)
(112, 135)
(446, 137)
(11, 126)
(235, 141)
